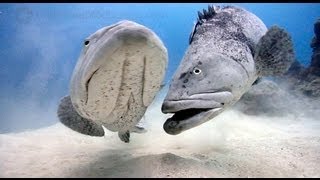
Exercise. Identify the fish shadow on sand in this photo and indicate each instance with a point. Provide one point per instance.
(154, 165)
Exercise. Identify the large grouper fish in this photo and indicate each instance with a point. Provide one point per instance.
(229, 49)
(119, 72)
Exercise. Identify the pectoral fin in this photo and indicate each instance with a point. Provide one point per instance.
(70, 118)
(274, 53)
(124, 136)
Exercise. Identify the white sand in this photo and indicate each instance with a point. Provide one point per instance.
(231, 145)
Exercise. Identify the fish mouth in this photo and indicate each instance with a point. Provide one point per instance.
(195, 110)
(209, 100)
(188, 118)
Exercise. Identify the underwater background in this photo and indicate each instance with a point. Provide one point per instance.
(272, 131)
(40, 44)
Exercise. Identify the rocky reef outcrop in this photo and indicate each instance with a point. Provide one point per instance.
(306, 79)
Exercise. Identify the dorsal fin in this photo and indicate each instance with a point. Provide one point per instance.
(209, 13)
(206, 15)
(202, 17)
(193, 31)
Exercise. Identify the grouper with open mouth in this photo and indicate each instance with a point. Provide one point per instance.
(229, 49)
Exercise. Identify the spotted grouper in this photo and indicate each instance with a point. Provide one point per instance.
(229, 49)
(119, 72)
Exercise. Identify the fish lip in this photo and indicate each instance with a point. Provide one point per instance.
(194, 110)
(208, 100)
(175, 126)
(181, 105)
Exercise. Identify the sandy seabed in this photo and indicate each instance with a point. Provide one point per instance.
(231, 145)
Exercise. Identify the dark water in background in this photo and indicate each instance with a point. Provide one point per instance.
(40, 44)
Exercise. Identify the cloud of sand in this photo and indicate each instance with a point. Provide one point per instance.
(231, 138)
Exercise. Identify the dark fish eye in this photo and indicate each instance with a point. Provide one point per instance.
(86, 42)
(197, 71)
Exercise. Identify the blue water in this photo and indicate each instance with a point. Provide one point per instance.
(40, 44)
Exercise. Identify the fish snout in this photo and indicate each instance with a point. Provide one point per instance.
(197, 101)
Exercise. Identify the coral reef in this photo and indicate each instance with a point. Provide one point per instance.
(306, 79)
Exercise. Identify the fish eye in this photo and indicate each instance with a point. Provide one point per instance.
(197, 71)
(86, 42)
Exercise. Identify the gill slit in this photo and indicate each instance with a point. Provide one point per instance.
(143, 78)
(244, 69)
(122, 77)
(87, 85)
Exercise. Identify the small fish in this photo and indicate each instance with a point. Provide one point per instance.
(229, 49)
(117, 76)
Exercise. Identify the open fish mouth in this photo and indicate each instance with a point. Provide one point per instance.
(187, 113)
(195, 110)
(189, 118)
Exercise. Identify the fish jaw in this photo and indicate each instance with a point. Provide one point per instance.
(174, 125)
(198, 101)
(195, 110)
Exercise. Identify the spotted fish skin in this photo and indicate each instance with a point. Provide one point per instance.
(229, 48)
(129, 107)
(233, 33)
(120, 70)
